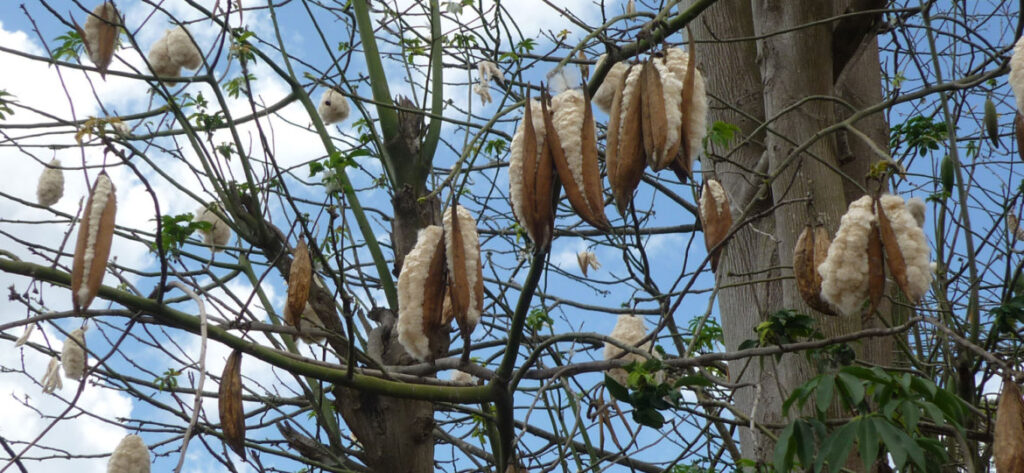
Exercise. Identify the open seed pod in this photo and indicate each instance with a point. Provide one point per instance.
(624, 153)
(1008, 441)
(612, 83)
(229, 404)
(661, 96)
(173, 51)
(845, 273)
(629, 330)
(421, 294)
(810, 251)
(219, 234)
(572, 139)
(95, 235)
(465, 272)
(906, 250)
(51, 184)
(300, 275)
(72, 356)
(715, 218)
(130, 456)
(99, 36)
(531, 172)
(1017, 73)
(693, 109)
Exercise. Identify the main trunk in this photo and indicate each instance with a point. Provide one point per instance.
(787, 79)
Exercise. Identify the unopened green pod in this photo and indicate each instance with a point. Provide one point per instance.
(991, 121)
(946, 170)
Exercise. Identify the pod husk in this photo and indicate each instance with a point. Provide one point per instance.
(587, 202)
(810, 251)
(229, 403)
(1008, 441)
(300, 276)
(626, 169)
(876, 268)
(107, 40)
(654, 124)
(893, 255)
(92, 277)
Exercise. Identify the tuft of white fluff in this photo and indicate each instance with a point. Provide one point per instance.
(24, 335)
(94, 25)
(717, 195)
(606, 92)
(101, 195)
(672, 94)
(631, 83)
(333, 107)
(695, 126)
(130, 456)
(307, 322)
(912, 243)
(51, 184)
(489, 70)
(629, 330)
(844, 274)
(1017, 73)
(916, 208)
(73, 355)
(462, 377)
(482, 91)
(567, 118)
(587, 260)
(51, 379)
(172, 52)
(217, 236)
(471, 250)
(515, 159)
(415, 272)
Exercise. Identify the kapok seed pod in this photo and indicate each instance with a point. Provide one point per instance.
(465, 275)
(627, 165)
(654, 125)
(811, 250)
(693, 108)
(333, 107)
(421, 293)
(1008, 439)
(572, 137)
(906, 248)
(229, 404)
(130, 456)
(300, 276)
(715, 218)
(99, 36)
(532, 186)
(73, 356)
(51, 184)
(629, 330)
(95, 235)
(612, 83)
(991, 121)
(587, 260)
(947, 169)
(1017, 73)
(219, 234)
(1018, 132)
(876, 267)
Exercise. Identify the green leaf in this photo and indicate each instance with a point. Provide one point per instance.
(649, 417)
(693, 380)
(852, 387)
(867, 442)
(617, 390)
(838, 445)
(825, 390)
(804, 439)
(785, 448)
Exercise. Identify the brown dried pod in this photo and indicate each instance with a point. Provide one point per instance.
(229, 403)
(624, 156)
(100, 35)
(421, 293)
(876, 268)
(300, 275)
(533, 187)
(571, 135)
(1018, 131)
(1008, 441)
(693, 109)
(715, 218)
(811, 250)
(465, 274)
(654, 124)
(893, 255)
(95, 235)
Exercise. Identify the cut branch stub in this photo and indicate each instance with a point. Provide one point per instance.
(300, 276)
(229, 403)
(715, 218)
(811, 250)
(95, 236)
(893, 256)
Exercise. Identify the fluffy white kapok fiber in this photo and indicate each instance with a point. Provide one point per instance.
(130, 456)
(333, 107)
(567, 118)
(94, 26)
(913, 245)
(72, 356)
(51, 184)
(415, 272)
(102, 193)
(629, 330)
(1017, 73)
(515, 159)
(219, 235)
(695, 125)
(471, 250)
(172, 52)
(606, 92)
(844, 274)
